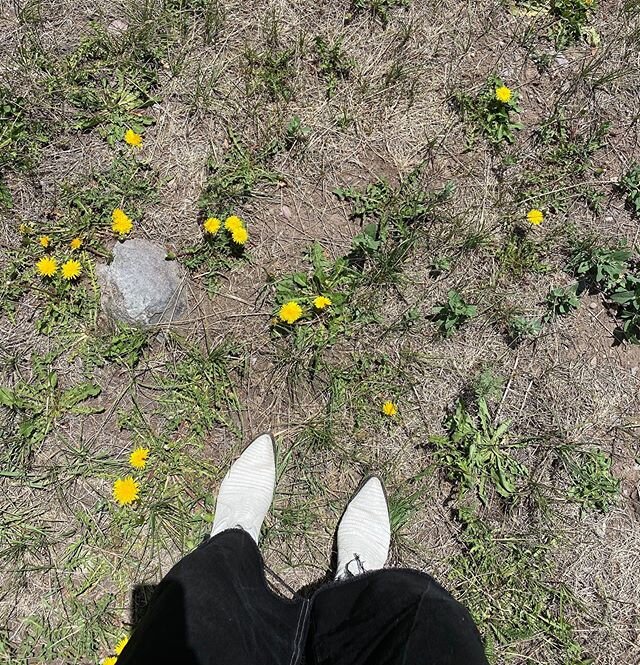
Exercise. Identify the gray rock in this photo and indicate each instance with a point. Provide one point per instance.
(140, 286)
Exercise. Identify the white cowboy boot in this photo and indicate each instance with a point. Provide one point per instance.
(364, 532)
(247, 490)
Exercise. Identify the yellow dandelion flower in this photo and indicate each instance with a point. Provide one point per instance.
(24, 229)
(122, 224)
(47, 266)
(320, 302)
(503, 94)
(535, 217)
(126, 490)
(389, 408)
(212, 225)
(132, 138)
(111, 660)
(233, 223)
(71, 269)
(45, 241)
(138, 458)
(120, 646)
(239, 235)
(76, 243)
(290, 312)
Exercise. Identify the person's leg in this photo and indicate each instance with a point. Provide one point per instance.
(214, 606)
(391, 617)
(384, 617)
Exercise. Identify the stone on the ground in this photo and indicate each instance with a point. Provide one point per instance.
(140, 286)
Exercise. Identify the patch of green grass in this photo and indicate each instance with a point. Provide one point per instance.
(332, 63)
(563, 168)
(521, 253)
(271, 72)
(452, 314)
(593, 485)
(509, 583)
(378, 9)
(239, 176)
(197, 393)
(33, 406)
(630, 186)
(22, 135)
(568, 20)
(487, 116)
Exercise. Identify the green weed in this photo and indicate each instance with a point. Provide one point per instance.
(333, 65)
(318, 325)
(520, 328)
(569, 19)
(487, 116)
(395, 220)
(452, 314)
(562, 301)
(593, 485)
(630, 185)
(603, 267)
(476, 455)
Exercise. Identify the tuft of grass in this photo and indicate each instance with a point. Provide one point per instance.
(332, 63)
(378, 9)
(22, 135)
(239, 176)
(563, 168)
(630, 186)
(33, 407)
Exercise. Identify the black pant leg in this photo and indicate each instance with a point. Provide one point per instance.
(391, 617)
(214, 606)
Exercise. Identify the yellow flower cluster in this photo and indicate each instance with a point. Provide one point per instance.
(127, 490)
(47, 266)
(234, 225)
(291, 311)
